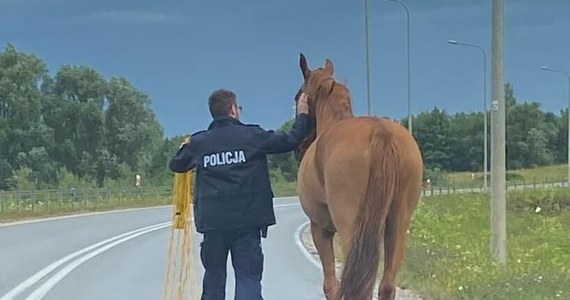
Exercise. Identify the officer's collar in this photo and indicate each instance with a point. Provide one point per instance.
(224, 120)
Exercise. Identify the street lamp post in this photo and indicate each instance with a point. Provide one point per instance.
(485, 167)
(367, 56)
(567, 77)
(408, 57)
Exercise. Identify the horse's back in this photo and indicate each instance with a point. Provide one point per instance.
(339, 160)
(352, 138)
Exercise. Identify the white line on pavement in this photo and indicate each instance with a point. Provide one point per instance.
(299, 240)
(48, 285)
(79, 215)
(41, 291)
(44, 272)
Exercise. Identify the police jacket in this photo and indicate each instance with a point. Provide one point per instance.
(232, 187)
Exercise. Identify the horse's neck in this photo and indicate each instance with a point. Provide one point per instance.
(331, 111)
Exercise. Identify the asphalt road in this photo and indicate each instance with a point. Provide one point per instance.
(103, 256)
(122, 255)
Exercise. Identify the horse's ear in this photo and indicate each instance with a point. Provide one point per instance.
(329, 67)
(304, 66)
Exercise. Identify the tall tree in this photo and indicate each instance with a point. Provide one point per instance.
(74, 110)
(285, 163)
(432, 131)
(22, 130)
(466, 136)
(529, 132)
(133, 133)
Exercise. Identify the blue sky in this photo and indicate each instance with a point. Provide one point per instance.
(178, 51)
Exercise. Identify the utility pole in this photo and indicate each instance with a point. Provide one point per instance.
(498, 154)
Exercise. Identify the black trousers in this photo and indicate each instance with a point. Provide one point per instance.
(247, 259)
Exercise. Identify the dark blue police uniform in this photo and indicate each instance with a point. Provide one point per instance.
(233, 200)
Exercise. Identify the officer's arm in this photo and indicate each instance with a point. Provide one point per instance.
(183, 160)
(281, 141)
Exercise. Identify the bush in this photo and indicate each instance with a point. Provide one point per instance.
(547, 201)
(436, 176)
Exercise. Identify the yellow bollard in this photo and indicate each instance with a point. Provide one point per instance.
(181, 279)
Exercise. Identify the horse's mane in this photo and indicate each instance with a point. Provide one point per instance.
(329, 92)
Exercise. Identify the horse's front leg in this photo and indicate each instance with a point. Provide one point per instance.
(323, 240)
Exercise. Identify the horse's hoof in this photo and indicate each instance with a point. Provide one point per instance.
(387, 292)
(331, 290)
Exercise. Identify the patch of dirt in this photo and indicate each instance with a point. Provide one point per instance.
(401, 294)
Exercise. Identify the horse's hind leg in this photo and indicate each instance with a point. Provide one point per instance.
(323, 240)
(396, 227)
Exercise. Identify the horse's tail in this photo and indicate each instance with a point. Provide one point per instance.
(362, 262)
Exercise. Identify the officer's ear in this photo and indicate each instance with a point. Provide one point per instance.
(235, 111)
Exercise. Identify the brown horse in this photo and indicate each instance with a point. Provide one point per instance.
(360, 177)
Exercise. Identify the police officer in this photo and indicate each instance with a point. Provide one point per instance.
(233, 203)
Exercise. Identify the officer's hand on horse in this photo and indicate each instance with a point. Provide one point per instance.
(302, 106)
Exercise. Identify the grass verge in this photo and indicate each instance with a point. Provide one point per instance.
(448, 254)
(538, 175)
(38, 204)
(284, 188)
(41, 210)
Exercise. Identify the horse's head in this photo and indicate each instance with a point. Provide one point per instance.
(300, 151)
(318, 82)
(321, 88)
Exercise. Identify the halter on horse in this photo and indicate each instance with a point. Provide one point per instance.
(360, 177)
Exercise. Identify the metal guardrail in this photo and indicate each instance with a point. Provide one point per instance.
(69, 200)
(440, 190)
(80, 199)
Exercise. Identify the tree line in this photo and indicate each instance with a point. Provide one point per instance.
(78, 129)
(75, 128)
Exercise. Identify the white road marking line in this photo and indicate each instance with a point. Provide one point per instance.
(44, 272)
(286, 205)
(41, 291)
(299, 241)
(80, 215)
(108, 212)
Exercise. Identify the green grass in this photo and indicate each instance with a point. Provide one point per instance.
(20, 205)
(448, 253)
(460, 180)
(284, 188)
(448, 256)
(539, 175)
(34, 204)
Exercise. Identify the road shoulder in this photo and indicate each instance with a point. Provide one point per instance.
(307, 242)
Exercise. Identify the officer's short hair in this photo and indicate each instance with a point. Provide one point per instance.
(220, 102)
